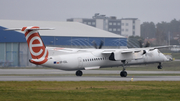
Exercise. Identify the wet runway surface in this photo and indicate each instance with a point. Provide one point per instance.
(13, 75)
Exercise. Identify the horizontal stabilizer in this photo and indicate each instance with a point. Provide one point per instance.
(19, 29)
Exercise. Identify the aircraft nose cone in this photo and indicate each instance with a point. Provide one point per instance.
(169, 58)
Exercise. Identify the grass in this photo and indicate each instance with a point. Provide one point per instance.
(90, 91)
(176, 55)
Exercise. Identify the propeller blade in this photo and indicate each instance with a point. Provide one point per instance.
(94, 44)
(140, 43)
(101, 44)
(147, 44)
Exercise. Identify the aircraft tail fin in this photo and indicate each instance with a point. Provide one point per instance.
(36, 46)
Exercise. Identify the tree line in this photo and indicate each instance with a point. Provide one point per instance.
(162, 33)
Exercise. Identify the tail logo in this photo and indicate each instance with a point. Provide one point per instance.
(37, 49)
(36, 46)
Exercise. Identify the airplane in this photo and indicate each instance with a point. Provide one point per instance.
(85, 59)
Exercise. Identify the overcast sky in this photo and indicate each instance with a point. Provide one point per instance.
(60, 10)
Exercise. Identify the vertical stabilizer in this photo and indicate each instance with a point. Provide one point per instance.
(36, 46)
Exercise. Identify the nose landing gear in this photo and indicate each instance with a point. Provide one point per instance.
(159, 66)
(123, 73)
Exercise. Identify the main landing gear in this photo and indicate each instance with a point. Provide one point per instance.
(159, 66)
(79, 73)
(123, 73)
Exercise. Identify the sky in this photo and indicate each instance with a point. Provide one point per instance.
(60, 10)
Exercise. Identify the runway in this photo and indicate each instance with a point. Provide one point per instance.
(99, 78)
(93, 75)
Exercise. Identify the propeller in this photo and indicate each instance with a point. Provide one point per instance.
(141, 44)
(147, 44)
(94, 44)
(100, 45)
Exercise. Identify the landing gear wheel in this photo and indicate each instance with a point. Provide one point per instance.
(123, 73)
(159, 66)
(79, 73)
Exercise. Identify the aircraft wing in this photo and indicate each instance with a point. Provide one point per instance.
(160, 47)
(123, 54)
(157, 47)
(122, 51)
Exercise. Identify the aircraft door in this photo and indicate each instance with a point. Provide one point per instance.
(80, 62)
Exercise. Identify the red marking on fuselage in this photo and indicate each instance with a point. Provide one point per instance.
(58, 48)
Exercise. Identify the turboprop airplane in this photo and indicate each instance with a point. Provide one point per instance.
(85, 59)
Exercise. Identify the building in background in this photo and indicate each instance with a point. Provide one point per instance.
(124, 26)
(14, 49)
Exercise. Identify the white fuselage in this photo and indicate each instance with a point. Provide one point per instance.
(87, 58)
